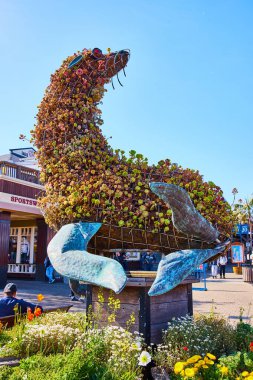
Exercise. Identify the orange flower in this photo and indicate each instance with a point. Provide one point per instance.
(40, 297)
(37, 311)
(251, 346)
(30, 315)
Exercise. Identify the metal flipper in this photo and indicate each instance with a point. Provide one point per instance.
(185, 217)
(176, 266)
(68, 255)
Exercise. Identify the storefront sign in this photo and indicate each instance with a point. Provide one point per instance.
(13, 202)
(25, 201)
(17, 199)
(237, 253)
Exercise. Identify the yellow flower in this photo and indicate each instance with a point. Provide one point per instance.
(245, 373)
(111, 318)
(209, 361)
(15, 308)
(189, 372)
(182, 373)
(178, 367)
(224, 370)
(211, 356)
(40, 297)
(249, 377)
(204, 366)
(201, 362)
(193, 359)
(101, 298)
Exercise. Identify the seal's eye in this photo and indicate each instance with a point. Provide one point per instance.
(75, 61)
(97, 53)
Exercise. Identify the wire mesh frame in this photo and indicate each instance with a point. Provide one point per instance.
(114, 237)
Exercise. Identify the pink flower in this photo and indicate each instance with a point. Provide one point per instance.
(79, 72)
(101, 65)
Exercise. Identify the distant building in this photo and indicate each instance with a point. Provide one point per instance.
(23, 232)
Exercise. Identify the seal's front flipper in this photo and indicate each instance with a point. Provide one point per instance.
(185, 217)
(176, 266)
(68, 255)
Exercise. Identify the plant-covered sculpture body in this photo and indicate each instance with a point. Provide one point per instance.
(86, 180)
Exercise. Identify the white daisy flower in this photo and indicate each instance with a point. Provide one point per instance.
(144, 358)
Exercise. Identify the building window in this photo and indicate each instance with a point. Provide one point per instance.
(23, 245)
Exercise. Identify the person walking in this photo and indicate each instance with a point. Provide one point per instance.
(49, 270)
(214, 269)
(222, 262)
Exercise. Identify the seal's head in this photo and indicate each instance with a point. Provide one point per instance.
(93, 63)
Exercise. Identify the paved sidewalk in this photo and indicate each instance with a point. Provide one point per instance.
(224, 296)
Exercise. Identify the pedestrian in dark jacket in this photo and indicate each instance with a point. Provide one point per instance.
(148, 260)
(9, 302)
(49, 270)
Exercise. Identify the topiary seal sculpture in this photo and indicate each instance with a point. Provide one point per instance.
(86, 181)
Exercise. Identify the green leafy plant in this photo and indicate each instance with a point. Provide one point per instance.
(85, 179)
(73, 366)
(108, 353)
(244, 335)
(195, 336)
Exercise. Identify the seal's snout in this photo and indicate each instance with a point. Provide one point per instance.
(125, 52)
(117, 61)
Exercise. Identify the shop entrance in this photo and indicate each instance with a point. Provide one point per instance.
(22, 250)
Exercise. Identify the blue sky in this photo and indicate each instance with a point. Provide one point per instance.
(188, 93)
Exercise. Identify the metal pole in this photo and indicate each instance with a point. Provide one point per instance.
(250, 236)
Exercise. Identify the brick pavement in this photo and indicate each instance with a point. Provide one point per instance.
(226, 297)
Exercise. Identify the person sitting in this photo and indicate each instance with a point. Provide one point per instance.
(9, 301)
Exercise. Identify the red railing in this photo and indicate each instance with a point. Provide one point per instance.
(19, 172)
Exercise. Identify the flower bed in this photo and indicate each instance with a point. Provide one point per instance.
(70, 346)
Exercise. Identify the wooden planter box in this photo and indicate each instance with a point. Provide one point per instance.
(152, 314)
